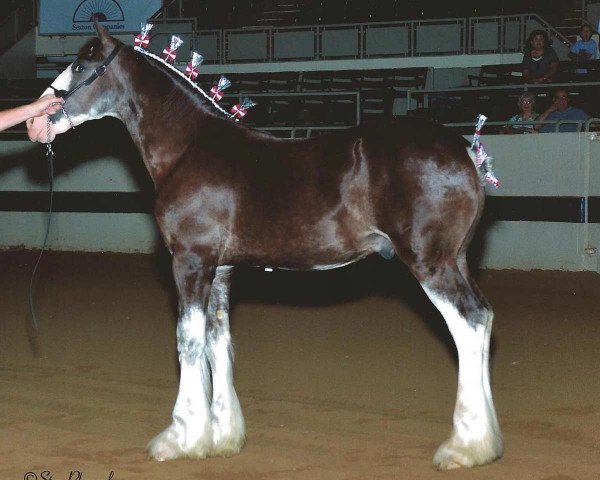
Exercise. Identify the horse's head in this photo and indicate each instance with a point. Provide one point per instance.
(88, 88)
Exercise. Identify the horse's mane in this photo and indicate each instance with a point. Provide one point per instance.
(181, 99)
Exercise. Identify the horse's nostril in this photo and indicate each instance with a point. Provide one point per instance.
(59, 93)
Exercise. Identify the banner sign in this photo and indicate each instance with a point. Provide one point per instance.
(64, 17)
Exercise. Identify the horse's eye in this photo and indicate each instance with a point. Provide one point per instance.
(79, 68)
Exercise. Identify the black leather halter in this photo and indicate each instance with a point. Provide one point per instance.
(98, 72)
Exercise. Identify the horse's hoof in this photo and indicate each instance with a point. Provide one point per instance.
(165, 446)
(229, 433)
(228, 447)
(456, 454)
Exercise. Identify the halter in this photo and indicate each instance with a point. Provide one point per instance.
(98, 72)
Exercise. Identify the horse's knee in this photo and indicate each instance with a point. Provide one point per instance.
(191, 335)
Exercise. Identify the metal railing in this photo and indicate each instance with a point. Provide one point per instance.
(337, 41)
(356, 41)
(412, 38)
(354, 95)
(582, 126)
(421, 97)
(506, 34)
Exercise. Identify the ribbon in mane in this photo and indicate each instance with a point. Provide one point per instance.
(241, 109)
(142, 39)
(483, 161)
(216, 92)
(192, 70)
(169, 53)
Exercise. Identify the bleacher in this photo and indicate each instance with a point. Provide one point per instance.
(496, 88)
(337, 98)
(324, 97)
(240, 13)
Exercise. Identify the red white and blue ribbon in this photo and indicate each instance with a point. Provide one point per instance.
(169, 53)
(483, 161)
(192, 70)
(241, 109)
(216, 92)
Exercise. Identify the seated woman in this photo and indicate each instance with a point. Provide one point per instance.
(540, 61)
(525, 103)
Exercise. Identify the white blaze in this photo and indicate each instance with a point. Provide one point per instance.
(37, 127)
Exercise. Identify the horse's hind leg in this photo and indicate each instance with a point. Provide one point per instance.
(227, 419)
(190, 433)
(476, 437)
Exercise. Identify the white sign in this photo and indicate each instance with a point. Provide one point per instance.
(63, 17)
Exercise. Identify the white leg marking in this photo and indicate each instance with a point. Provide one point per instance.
(229, 432)
(476, 439)
(190, 434)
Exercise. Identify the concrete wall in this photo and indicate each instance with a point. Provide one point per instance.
(99, 157)
(563, 165)
(19, 60)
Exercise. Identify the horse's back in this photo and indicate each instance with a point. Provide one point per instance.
(326, 199)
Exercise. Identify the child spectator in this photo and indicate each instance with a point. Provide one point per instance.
(584, 49)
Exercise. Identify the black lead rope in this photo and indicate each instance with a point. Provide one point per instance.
(98, 72)
(50, 161)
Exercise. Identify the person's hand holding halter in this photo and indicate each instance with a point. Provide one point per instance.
(46, 105)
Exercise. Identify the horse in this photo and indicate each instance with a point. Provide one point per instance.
(228, 196)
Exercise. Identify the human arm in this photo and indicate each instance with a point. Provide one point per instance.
(508, 128)
(552, 108)
(579, 52)
(547, 67)
(525, 70)
(546, 128)
(46, 105)
(554, 63)
(549, 76)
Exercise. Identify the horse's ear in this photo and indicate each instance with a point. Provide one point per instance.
(102, 32)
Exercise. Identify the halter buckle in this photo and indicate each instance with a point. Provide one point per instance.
(101, 70)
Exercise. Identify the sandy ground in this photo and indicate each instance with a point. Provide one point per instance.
(348, 374)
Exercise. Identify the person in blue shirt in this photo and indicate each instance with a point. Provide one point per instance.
(584, 49)
(561, 110)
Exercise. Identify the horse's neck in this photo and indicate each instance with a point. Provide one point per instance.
(162, 121)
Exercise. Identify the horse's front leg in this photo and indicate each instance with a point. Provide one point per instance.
(190, 433)
(229, 433)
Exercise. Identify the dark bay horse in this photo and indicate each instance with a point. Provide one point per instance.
(228, 196)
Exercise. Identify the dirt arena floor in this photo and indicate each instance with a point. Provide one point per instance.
(347, 374)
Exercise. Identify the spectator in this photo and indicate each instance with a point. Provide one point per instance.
(540, 61)
(526, 104)
(584, 49)
(46, 105)
(561, 110)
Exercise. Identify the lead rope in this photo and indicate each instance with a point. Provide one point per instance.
(50, 161)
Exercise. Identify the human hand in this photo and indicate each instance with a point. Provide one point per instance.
(46, 105)
(553, 106)
(584, 55)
